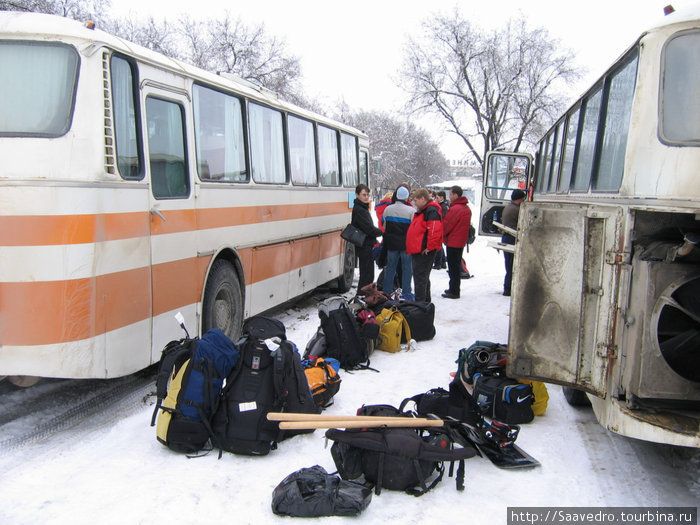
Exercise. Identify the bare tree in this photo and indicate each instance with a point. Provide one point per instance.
(222, 45)
(157, 35)
(75, 9)
(494, 90)
(402, 151)
(229, 45)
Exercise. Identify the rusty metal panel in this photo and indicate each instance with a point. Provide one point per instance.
(564, 294)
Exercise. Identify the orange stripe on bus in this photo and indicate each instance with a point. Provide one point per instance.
(45, 312)
(48, 230)
(52, 312)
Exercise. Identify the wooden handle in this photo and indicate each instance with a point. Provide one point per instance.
(397, 422)
(296, 416)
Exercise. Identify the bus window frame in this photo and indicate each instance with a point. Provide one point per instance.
(244, 120)
(363, 153)
(76, 81)
(289, 152)
(620, 65)
(285, 162)
(186, 163)
(338, 184)
(554, 176)
(575, 111)
(598, 88)
(344, 183)
(138, 113)
(662, 71)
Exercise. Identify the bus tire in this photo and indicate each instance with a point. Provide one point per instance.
(576, 398)
(344, 282)
(223, 301)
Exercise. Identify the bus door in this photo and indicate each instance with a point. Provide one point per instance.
(565, 293)
(174, 273)
(503, 173)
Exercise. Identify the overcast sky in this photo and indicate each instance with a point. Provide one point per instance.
(351, 50)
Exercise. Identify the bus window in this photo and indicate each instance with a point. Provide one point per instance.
(586, 150)
(218, 128)
(549, 150)
(126, 125)
(38, 88)
(266, 145)
(567, 156)
(504, 174)
(166, 149)
(540, 165)
(348, 149)
(302, 151)
(617, 121)
(680, 106)
(364, 168)
(559, 141)
(328, 156)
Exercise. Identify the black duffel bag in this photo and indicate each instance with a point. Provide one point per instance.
(420, 317)
(504, 399)
(312, 492)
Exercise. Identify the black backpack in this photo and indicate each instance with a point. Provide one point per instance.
(190, 376)
(269, 378)
(457, 403)
(482, 357)
(344, 341)
(397, 458)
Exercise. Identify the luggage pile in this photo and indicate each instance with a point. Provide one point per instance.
(249, 396)
(499, 397)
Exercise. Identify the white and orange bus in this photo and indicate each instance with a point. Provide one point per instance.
(134, 186)
(606, 286)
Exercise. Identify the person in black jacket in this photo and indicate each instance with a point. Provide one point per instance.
(362, 220)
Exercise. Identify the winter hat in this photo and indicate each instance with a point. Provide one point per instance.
(517, 195)
(402, 193)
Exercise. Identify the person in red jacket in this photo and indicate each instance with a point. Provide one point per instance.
(381, 205)
(423, 240)
(456, 228)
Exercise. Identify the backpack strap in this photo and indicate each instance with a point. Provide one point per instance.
(406, 328)
(171, 354)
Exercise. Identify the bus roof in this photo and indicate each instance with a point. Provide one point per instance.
(46, 27)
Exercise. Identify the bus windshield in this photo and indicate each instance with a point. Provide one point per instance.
(37, 87)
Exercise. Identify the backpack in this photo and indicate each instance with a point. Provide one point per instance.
(483, 357)
(189, 380)
(393, 330)
(343, 339)
(312, 492)
(503, 399)
(456, 403)
(268, 378)
(316, 347)
(539, 394)
(397, 458)
(323, 378)
(472, 235)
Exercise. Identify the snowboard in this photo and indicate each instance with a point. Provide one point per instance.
(497, 443)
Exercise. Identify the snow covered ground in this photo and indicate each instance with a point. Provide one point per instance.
(111, 470)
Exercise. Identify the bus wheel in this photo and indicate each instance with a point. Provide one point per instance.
(345, 280)
(576, 398)
(223, 301)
